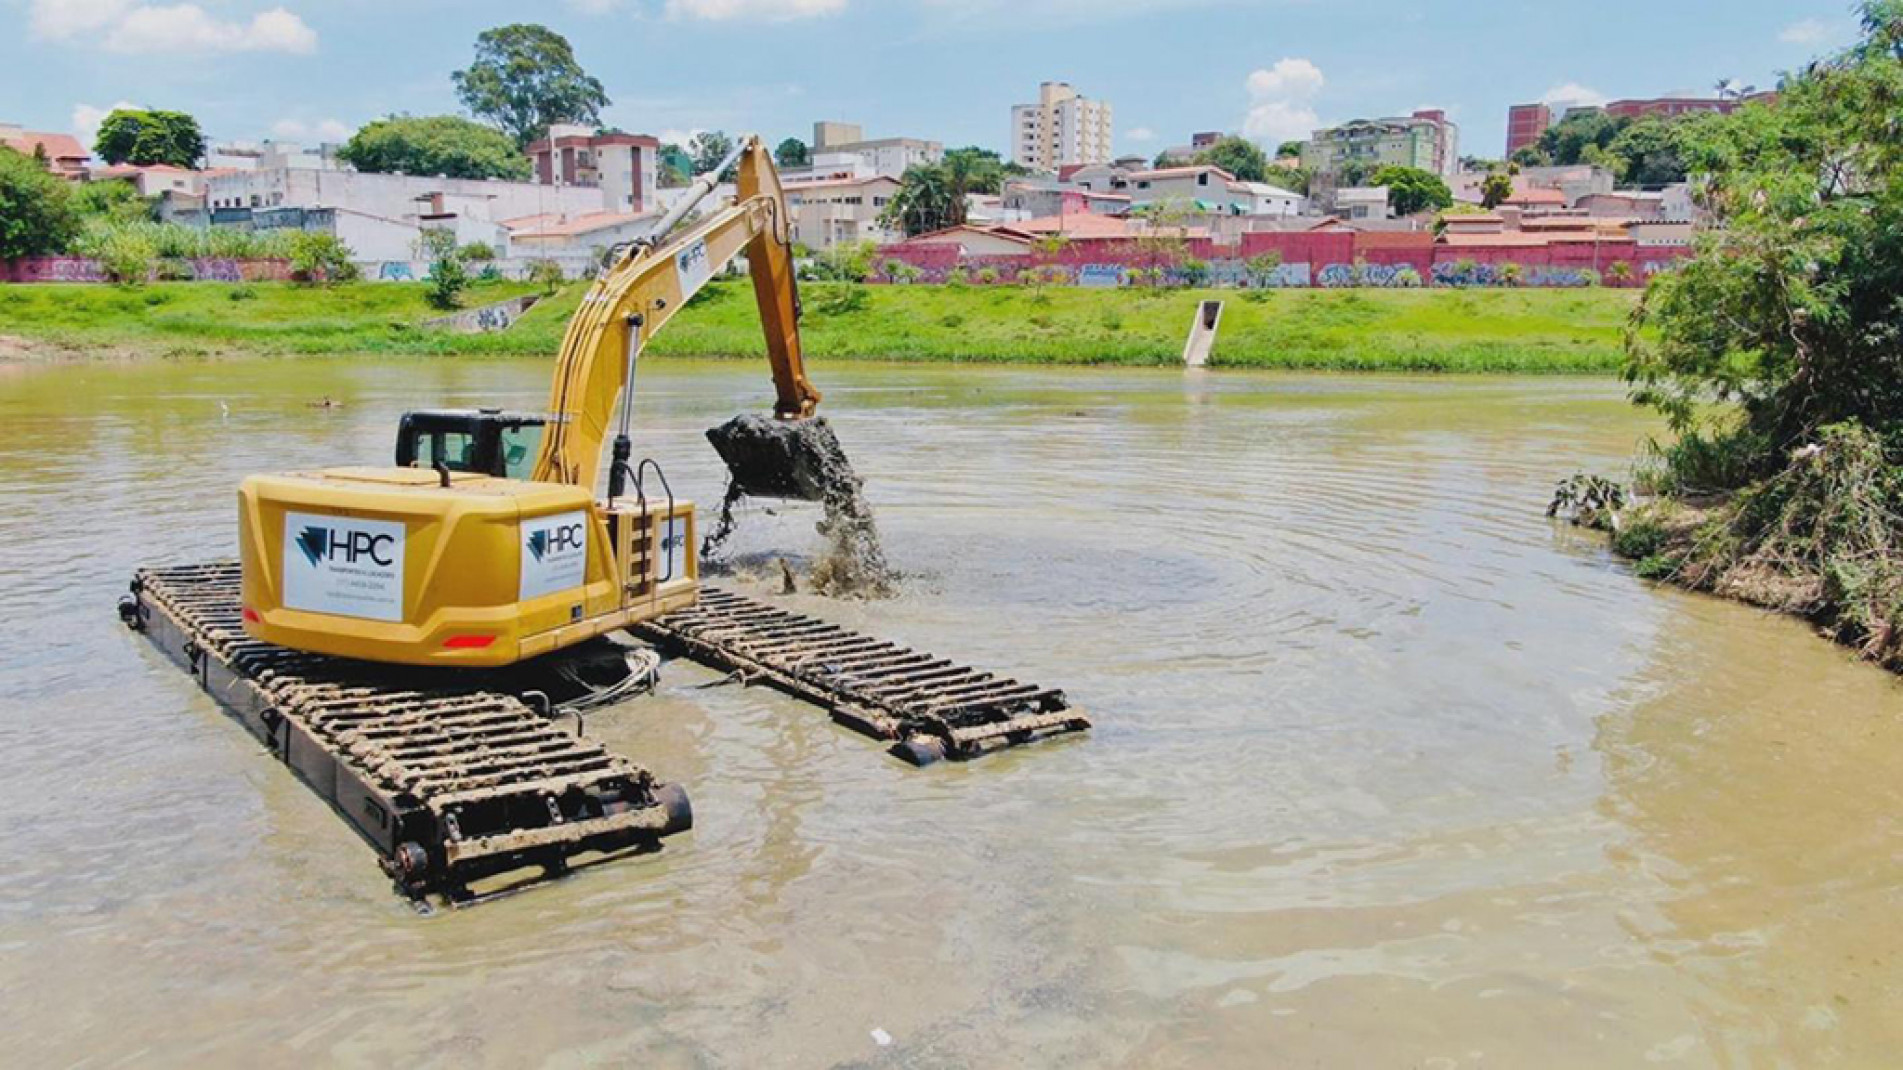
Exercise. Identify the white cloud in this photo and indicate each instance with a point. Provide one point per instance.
(1281, 100)
(132, 26)
(766, 10)
(1576, 95)
(1805, 32)
(1139, 133)
(594, 7)
(86, 120)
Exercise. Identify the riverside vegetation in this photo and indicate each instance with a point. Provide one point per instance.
(1777, 355)
(1508, 330)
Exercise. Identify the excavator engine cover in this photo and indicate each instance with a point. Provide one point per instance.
(774, 458)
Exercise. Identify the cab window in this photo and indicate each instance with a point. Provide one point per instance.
(519, 447)
(455, 449)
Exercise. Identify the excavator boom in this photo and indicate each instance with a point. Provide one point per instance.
(644, 288)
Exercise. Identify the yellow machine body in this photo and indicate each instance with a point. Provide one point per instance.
(428, 566)
(385, 564)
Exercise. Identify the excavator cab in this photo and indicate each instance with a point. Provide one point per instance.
(486, 442)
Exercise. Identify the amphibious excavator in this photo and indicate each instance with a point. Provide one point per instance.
(468, 554)
(384, 630)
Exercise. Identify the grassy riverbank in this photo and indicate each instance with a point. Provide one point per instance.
(1363, 330)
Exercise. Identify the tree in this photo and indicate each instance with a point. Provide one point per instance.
(37, 215)
(1648, 151)
(792, 153)
(144, 138)
(1495, 189)
(1289, 148)
(448, 278)
(1564, 143)
(708, 148)
(927, 200)
(1788, 307)
(1238, 156)
(525, 78)
(677, 167)
(1412, 190)
(975, 170)
(433, 145)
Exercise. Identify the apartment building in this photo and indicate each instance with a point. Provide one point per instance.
(1427, 140)
(883, 156)
(1061, 128)
(1525, 124)
(625, 167)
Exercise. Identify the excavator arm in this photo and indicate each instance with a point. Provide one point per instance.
(647, 286)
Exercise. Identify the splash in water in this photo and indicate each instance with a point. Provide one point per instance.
(804, 460)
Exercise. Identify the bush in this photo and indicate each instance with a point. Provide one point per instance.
(548, 275)
(476, 252)
(37, 214)
(448, 278)
(320, 259)
(243, 292)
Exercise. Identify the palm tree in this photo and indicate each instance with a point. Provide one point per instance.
(926, 201)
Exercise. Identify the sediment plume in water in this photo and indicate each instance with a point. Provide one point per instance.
(804, 460)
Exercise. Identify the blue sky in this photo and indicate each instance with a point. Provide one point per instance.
(942, 69)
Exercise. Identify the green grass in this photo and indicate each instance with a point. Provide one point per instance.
(1425, 330)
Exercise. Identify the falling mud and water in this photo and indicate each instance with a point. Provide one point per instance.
(803, 460)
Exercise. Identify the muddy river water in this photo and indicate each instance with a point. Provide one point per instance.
(1388, 771)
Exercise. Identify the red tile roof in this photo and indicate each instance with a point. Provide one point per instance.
(58, 146)
(548, 226)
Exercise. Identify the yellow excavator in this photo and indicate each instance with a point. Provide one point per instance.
(465, 553)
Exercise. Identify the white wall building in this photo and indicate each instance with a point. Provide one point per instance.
(267, 155)
(882, 156)
(840, 211)
(1061, 128)
(381, 216)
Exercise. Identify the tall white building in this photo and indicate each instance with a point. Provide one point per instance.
(1061, 128)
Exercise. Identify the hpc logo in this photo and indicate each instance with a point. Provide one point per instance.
(560, 539)
(325, 545)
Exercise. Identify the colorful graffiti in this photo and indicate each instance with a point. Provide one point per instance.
(85, 269)
(395, 271)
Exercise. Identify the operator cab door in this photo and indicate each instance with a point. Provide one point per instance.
(485, 442)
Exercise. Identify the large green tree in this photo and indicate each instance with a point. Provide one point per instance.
(1648, 152)
(525, 78)
(1412, 190)
(37, 214)
(709, 148)
(1238, 156)
(434, 145)
(150, 137)
(792, 153)
(1790, 306)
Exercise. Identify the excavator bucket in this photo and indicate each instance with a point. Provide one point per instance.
(773, 458)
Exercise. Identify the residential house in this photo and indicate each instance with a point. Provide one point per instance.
(1362, 202)
(841, 211)
(973, 241)
(155, 180)
(63, 153)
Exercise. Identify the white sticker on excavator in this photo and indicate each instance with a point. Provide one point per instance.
(694, 269)
(554, 554)
(343, 566)
(673, 549)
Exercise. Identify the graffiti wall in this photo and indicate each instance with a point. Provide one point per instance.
(1301, 259)
(82, 269)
